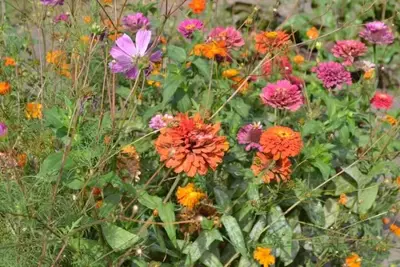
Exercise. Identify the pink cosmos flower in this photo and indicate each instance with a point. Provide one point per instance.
(129, 57)
(382, 101)
(282, 95)
(135, 22)
(52, 2)
(249, 135)
(280, 63)
(3, 129)
(377, 32)
(160, 121)
(232, 37)
(61, 17)
(333, 75)
(188, 26)
(348, 50)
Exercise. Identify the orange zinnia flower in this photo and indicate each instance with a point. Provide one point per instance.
(298, 59)
(191, 146)
(4, 88)
(281, 142)
(9, 61)
(369, 74)
(271, 170)
(342, 199)
(312, 33)
(211, 50)
(263, 256)
(33, 111)
(395, 229)
(353, 260)
(271, 41)
(55, 57)
(197, 6)
(189, 196)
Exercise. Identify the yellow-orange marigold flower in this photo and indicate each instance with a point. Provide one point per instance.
(342, 199)
(197, 6)
(271, 41)
(281, 142)
(33, 111)
(189, 196)
(4, 88)
(298, 59)
(55, 57)
(9, 61)
(191, 146)
(87, 19)
(391, 120)
(211, 50)
(271, 170)
(312, 33)
(65, 70)
(229, 73)
(395, 229)
(353, 260)
(263, 256)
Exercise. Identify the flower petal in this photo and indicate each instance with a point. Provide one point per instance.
(156, 56)
(142, 41)
(132, 73)
(126, 44)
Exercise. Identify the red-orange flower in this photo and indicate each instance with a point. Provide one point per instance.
(281, 142)
(271, 41)
(211, 50)
(395, 229)
(4, 88)
(191, 146)
(353, 261)
(270, 170)
(197, 6)
(9, 61)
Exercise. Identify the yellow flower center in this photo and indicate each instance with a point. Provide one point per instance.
(271, 35)
(190, 27)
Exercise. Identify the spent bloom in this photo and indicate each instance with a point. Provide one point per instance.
(281, 142)
(264, 257)
(333, 75)
(3, 129)
(189, 196)
(129, 57)
(231, 37)
(348, 50)
(282, 95)
(33, 111)
(377, 32)
(267, 42)
(61, 17)
(197, 6)
(353, 261)
(52, 2)
(4, 88)
(160, 121)
(249, 135)
(382, 101)
(135, 22)
(188, 26)
(269, 170)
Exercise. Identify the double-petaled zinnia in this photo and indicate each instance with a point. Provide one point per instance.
(271, 170)
(211, 50)
(191, 146)
(4, 88)
(263, 256)
(197, 6)
(269, 42)
(353, 260)
(281, 142)
(33, 111)
(189, 196)
(9, 61)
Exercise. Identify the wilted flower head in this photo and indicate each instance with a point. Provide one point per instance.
(52, 2)
(135, 22)
(3, 129)
(191, 146)
(232, 37)
(130, 58)
(268, 42)
(160, 121)
(348, 50)
(280, 63)
(282, 95)
(377, 32)
(264, 257)
(249, 135)
(189, 196)
(281, 142)
(382, 101)
(333, 75)
(61, 17)
(188, 26)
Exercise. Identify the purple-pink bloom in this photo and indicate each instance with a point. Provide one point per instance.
(135, 22)
(129, 57)
(61, 17)
(52, 2)
(232, 37)
(160, 121)
(332, 74)
(3, 129)
(188, 26)
(249, 135)
(377, 32)
(348, 50)
(282, 95)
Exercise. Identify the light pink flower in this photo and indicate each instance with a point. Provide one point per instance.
(160, 121)
(232, 37)
(382, 101)
(348, 50)
(188, 26)
(249, 135)
(136, 21)
(282, 95)
(333, 75)
(377, 32)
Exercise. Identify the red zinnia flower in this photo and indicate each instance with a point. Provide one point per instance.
(382, 101)
(281, 142)
(271, 170)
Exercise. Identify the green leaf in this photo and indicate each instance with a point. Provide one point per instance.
(207, 99)
(55, 118)
(203, 66)
(223, 200)
(117, 237)
(240, 107)
(109, 205)
(366, 198)
(358, 176)
(246, 262)
(151, 202)
(184, 104)
(172, 82)
(210, 260)
(331, 211)
(234, 233)
(315, 212)
(311, 127)
(176, 53)
(323, 167)
(167, 215)
(343, 185)
(52, 164)
(258, 228)
(200, 245)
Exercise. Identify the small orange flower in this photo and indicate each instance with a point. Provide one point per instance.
(9, 61)
(342, 199)
(99, 204)
(353, 260)
(271, 170)
(385, 220)
(197, 6)
(395, 229)
(271, 41)
(4, 88)
(107, 2)
(189, 196)
(263, 256)
(211, 50)
(22, 159)
(85, 39)
(55, 57)
(33, 111)
(229, 73)
(298, 59)
(130, 151)
(65, 70)
(87, 19)
(281, 142)
(239, 80)
(369, 74)
(391, 120)
(312, 33)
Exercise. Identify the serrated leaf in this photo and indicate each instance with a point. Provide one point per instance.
(167, 215)
(210, 260)
(331, 211)
(117, 237)
(176, 53)
(234, 233)
(200, 245)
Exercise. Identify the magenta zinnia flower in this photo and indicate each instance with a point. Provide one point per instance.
(249, 135)
(52, 2)
(333, 75)
(160, 121)
(130, 58)
(135, 22)
(188, 26)
(282, 95)
(382, 101)
(61, 17)
(377, 32)
(232, 37)
(3, 129)
(348, 50)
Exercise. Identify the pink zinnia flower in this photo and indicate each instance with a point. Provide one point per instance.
(280, 63)
(188, 26)
(160, 121)
(232, 37)
(377, 32)
(333, 75)
(52, 2)
(382, 101)
(348, 50)
(3, 129)
(61, 17)
(135, 22)
(249, 135)
(282, 95)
